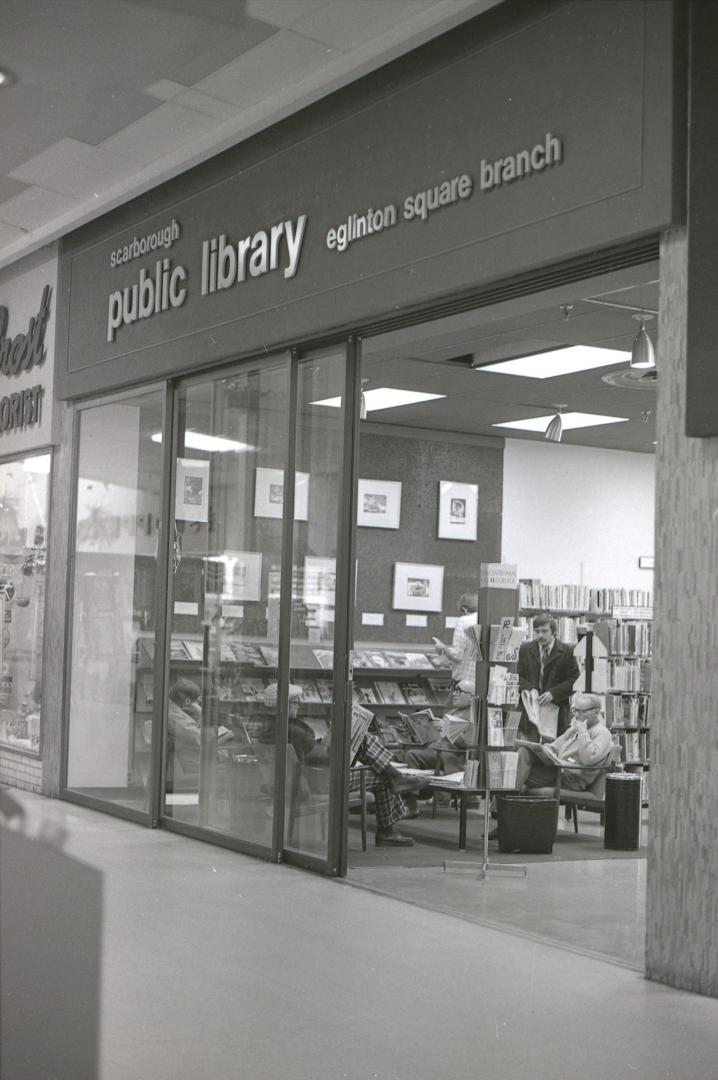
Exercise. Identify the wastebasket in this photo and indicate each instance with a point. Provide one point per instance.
(622, 823)
(527, 824)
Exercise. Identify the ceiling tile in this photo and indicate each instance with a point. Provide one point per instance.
(284, 59)
(346, 24)
(283, 12)
(8, 234)
(203, 103)
(74, 168)
(34, 207)
(9, 188)
(164, 130)
(165, 89)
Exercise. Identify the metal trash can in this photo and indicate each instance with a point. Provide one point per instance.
(622, 823)
(527, 824)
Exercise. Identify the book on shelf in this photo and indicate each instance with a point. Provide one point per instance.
(494, 726)
(365, 694)
(473, 632)
(511, 726)
(224, 734)
(246, 652)
(226, 654)
(361, 659)
(325, 689)
(194, 649)
(388, 733)
(416, 694)
(502, 769)
(310, 693)
(361, 719)
(421, 661)
(270, 655)
(399, 659)
(390, 692)
(471, 773)
(177, 650)
(324, 657)
(251, 689)
(438, 688)
(377, 660)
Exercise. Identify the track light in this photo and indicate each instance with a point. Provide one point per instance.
(643, 356)
(554, 431)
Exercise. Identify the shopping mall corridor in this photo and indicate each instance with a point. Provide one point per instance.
(213, 965)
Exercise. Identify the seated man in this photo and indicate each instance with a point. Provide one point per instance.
(586, 742)
(386, 782)
(453, 754)
(301, 736)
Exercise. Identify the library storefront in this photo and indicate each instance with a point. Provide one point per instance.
(252, 553)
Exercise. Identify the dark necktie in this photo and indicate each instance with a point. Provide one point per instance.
(544, 658)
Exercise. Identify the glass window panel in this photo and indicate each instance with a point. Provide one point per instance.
(319, 457)
(225, 602)
(112, 678)
(24, 493)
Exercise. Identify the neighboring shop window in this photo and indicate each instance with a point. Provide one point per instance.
(24, 494)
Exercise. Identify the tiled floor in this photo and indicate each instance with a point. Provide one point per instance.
(215, 966)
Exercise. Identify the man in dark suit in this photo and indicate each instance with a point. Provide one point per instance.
(549, 666)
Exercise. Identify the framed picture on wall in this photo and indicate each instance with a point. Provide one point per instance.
(458, 510)
(269, 494)
(379, 504)
(418, 587)
(192, 491)
(242, 575)
(320, 581)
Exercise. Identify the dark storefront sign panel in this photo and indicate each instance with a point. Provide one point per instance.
(484, 168)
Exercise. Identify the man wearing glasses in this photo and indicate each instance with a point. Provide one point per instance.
(586, 742)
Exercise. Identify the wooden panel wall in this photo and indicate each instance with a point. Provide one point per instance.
(682, 892)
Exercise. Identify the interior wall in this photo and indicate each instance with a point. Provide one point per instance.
(578, 515)
(420, 463)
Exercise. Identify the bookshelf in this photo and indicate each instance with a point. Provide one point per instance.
(390, 679)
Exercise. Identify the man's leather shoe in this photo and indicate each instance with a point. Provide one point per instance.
(399, 782)
(393, 839)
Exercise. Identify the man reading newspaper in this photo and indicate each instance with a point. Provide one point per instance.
(586, 742)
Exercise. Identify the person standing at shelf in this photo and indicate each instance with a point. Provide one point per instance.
(462, 654)
(586, 742)
(550, 667)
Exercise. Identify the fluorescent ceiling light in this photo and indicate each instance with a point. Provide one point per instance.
(384, 397)
(39, 464)
(547, 365)
(569, 420)
(195, 440)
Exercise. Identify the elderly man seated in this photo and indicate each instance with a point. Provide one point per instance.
(586, 743)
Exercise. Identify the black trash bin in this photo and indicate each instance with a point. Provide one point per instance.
(527, 824)
(622, 827)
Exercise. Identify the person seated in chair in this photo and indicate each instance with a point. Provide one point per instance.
(387, 784)
(301, 736)
(183, 723)
(587, 742)
(452, 755)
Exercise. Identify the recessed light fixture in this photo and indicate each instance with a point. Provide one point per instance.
(569, 420)
(6, 78)
(196, 440)
(548, 365)
(384, 397)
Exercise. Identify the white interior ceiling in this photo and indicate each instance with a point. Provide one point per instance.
(112, 97)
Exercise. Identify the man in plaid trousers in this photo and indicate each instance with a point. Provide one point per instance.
(386, 783)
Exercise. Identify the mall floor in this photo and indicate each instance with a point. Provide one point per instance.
(214, 965)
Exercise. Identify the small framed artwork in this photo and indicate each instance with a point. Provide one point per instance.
(269, 494)
(242, 575)
(320, 581)
(418, 587)
(379, 504)
(192, 491)
(458, 510)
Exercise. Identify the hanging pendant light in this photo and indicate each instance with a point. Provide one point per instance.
(554, 431)
(643, 356)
